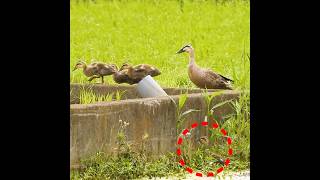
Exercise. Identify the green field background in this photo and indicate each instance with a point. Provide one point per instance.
(152, 31)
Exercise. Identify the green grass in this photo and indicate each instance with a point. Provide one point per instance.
(151, 31)
(87, 96)
(127, 163)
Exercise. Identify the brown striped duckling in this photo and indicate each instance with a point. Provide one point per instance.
(95, 69)
(121, 76)
(134, 74)
(204, 78)
(150, 70)
(140, 71)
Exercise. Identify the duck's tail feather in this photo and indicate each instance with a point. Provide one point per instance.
(225, 78)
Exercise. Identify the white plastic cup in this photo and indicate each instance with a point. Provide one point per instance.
(148, 87)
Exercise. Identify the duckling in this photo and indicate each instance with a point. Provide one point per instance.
(128, 75)
(137, 73)
(95, 70)
(121, 76)
(204, 78)
(152, 71)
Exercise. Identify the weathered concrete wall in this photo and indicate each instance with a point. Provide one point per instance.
(94, 127)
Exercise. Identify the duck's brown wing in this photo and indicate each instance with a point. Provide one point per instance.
(138, 74)
(145, 67)
(142, 66)
(211, 75)
(121, 77)
(227, 79)
(93, 68)
(103, 69)
(220, 82)
(150, 70)
(139, 70)
(217, 76)
(154, 71)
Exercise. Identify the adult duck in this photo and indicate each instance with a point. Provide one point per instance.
(204, 78)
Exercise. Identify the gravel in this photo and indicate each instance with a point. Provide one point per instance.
(243, 175)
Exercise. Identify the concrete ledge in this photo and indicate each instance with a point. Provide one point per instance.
(94, 127)
(129, 92)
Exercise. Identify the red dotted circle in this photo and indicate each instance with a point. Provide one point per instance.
(214, 126)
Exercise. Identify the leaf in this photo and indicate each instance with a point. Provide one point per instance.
(206, 96)
(187, 112)
(220, 104)
(209, 98)
(119, 95)
(182, 100)
(108, 97)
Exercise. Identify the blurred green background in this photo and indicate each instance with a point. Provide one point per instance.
(151, 31)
